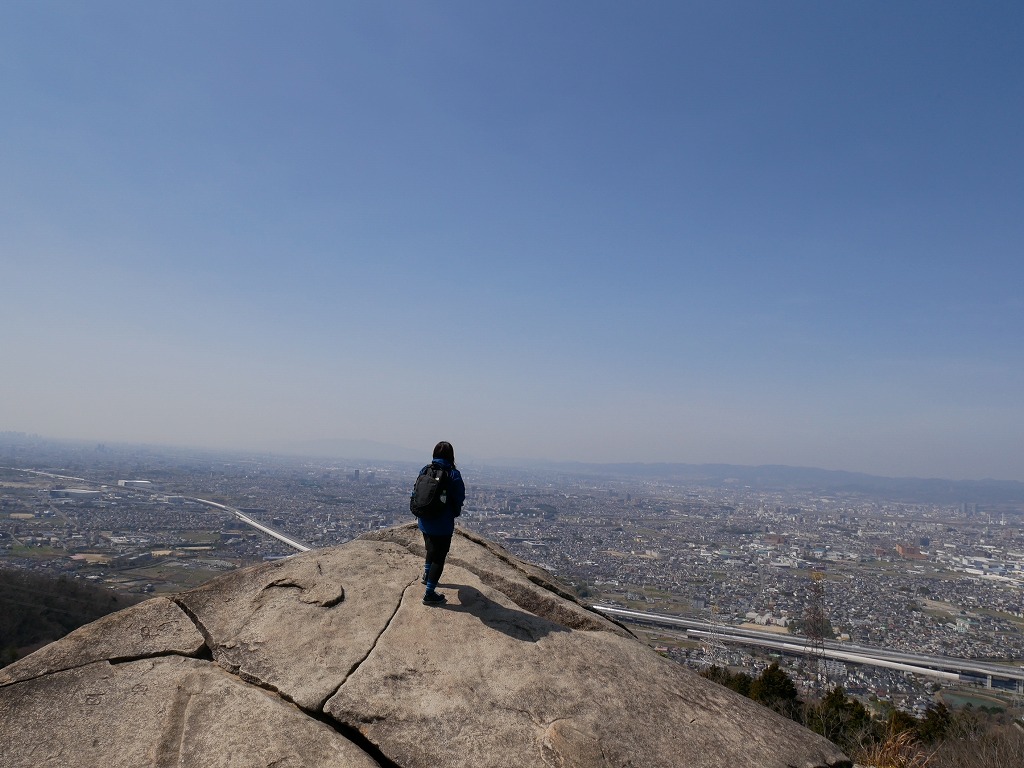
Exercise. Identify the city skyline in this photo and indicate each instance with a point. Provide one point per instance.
(740, 234)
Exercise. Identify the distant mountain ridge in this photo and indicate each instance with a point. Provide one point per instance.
(780, 477)
(761, 477)
(353, 449)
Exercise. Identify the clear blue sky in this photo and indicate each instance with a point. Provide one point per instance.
(743, 232)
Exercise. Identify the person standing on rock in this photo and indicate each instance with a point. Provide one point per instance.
(438, 530)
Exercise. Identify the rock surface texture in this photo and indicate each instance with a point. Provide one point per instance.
(329, 659)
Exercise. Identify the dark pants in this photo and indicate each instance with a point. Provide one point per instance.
(437, 550)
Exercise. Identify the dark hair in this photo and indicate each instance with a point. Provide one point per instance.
(444, 450)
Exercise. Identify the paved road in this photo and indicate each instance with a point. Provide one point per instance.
(945, 667)
(258, 526)
(297, 545)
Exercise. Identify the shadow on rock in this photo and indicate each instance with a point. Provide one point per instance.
(517, 624)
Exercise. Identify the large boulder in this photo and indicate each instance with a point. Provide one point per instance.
(329, 659)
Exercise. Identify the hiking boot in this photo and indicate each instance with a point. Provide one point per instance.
(434, 598)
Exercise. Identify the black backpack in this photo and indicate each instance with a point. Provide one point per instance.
(430, 493)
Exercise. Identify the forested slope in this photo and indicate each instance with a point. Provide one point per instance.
(38, 608)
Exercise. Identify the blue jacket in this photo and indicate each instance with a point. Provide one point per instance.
(444, 524)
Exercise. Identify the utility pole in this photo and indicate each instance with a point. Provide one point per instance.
(713, 647)
(815, 627)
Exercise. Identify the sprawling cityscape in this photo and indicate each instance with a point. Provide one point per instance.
(820, 568)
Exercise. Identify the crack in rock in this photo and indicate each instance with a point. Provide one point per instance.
(202, 655)
(152, 629)
(583, 699)
(207, 637)
(355, 666)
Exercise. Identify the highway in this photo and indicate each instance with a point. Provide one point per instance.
(297, 545)
(942, 667)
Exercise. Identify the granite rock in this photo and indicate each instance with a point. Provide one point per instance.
(330, 658)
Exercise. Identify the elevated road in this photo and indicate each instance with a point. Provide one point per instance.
(943, 667)
(297, 545)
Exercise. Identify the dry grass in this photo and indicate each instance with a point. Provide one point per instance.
(998, 747)
(995, 747)
(896, 750)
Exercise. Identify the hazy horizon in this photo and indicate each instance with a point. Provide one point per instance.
(739, 233)
(370, 453)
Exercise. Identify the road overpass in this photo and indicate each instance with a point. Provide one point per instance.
(989, 675)
(294, 544)
(297, 545)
